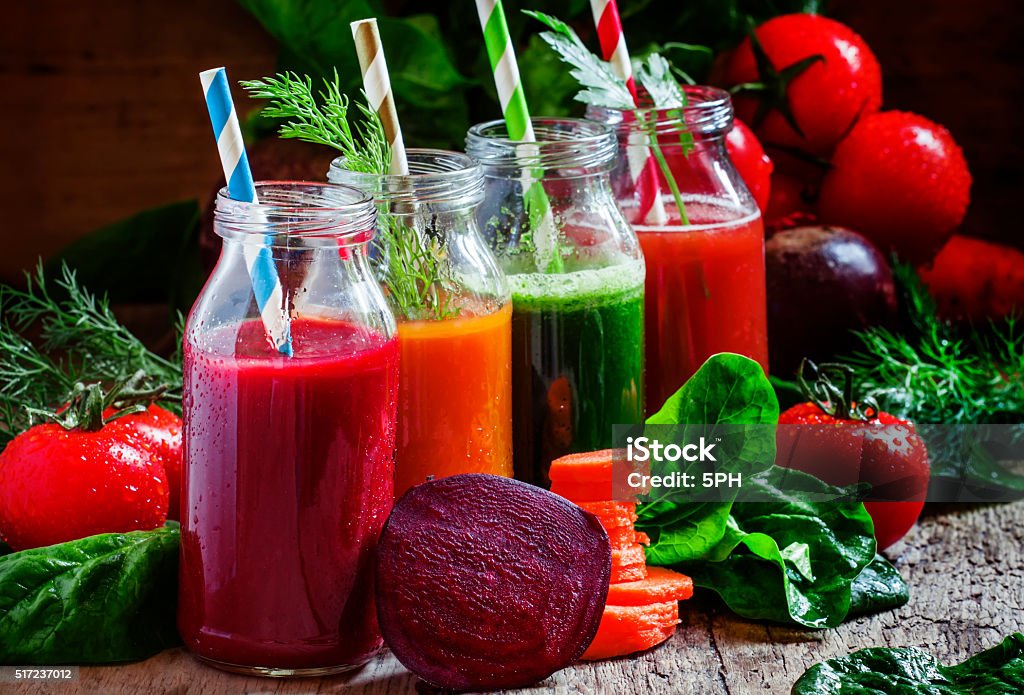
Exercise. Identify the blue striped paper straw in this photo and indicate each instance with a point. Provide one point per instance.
(266, 285)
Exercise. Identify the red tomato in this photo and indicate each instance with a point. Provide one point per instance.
(57, 485)
(819, 73)
(884, 451)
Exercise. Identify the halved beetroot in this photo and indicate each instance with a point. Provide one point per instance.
(484, 582)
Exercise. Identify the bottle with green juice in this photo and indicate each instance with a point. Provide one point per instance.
(577, 278)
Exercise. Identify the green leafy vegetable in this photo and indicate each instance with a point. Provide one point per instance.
(878, 588)
(792, 553)
(729, 396)
(655, 75)
(79, 340)
(912, 671)
(101, 599)
(785, 546)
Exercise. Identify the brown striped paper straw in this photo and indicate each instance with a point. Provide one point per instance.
(377, 86)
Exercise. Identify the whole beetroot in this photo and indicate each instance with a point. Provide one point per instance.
(823, 282)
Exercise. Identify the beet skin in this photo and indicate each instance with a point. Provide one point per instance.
(484, 582)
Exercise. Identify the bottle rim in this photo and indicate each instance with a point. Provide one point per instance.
(437, 178)
(297, 210)
(563, 146)
(708, 112)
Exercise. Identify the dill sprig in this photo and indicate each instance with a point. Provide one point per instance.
(77, 339)
(413, 270)
(414, 273)
(324, 121)
(934, 373)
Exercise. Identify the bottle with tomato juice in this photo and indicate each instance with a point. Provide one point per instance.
(454, 317)
(287, 457)
(705, 289)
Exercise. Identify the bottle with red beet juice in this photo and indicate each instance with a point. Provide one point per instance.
(288, 458)
(705, 288)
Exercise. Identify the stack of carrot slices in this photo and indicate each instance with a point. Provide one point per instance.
(642, 609)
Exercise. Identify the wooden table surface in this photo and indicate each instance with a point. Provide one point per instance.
(965, 567)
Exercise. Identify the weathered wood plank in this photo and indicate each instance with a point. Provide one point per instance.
(965, 568)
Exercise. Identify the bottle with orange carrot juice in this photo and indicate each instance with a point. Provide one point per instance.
(454, 317)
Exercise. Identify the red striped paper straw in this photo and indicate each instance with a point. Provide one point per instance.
(642, 167)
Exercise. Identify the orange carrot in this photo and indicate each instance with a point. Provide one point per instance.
(588, 476)
(628, 564)
(661, 585)
(589, 466)
(582, 492)
(612, 514)
(628, 629)
(622, 537)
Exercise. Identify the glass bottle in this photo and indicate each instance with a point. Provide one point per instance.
(454, 317)
(577, 276)
(287, 459)
(705, 268)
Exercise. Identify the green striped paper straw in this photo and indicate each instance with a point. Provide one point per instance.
(520, 129)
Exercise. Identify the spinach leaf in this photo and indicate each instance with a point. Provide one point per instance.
(911, 671)
(101, 599)
(791, 553)
(878, 588)
(728, 397)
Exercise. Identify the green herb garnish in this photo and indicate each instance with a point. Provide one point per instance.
(413, 272)
(324, 121)
(77, 339)
(602, 87)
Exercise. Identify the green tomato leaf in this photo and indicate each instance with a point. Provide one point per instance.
(912, 671)
(101, 599)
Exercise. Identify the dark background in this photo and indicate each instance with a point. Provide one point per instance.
(103, 114)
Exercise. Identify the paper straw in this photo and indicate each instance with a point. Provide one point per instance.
(377, 86)
(259, 260)
(643, 170)
(520, 129)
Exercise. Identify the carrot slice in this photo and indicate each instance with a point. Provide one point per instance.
(628, 564)
(660, 585)
(588, 476)
(588, 466)
(611, 514)
(622, 537)
(579, 492)
(628, 629)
